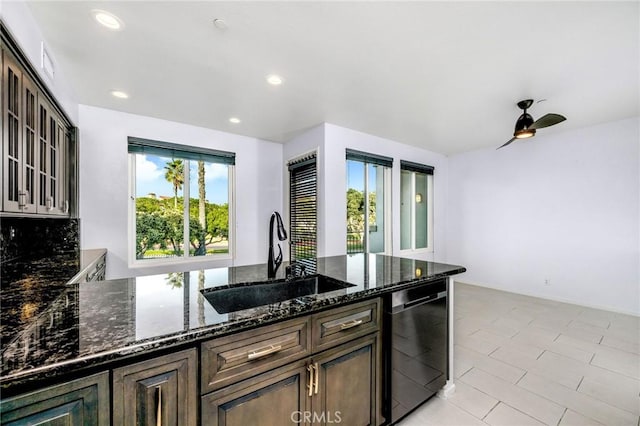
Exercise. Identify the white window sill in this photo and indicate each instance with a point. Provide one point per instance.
(223, 260)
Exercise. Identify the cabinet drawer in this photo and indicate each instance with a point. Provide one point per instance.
(340, 325)
(82, 401)
(239, 356)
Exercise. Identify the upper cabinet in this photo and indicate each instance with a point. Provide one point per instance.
(36, 147)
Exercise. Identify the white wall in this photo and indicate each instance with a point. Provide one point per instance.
(337, 139)
(104, 180)
(21, 25)
(563, 207)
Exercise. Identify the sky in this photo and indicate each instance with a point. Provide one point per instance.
(150, 178)
(355, 176)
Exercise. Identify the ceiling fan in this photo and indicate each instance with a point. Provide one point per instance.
(526, 127)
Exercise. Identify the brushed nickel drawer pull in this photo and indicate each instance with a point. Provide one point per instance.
(159, 407)
(259, 353)
(311, 377)
(316, 380)
(350, 324)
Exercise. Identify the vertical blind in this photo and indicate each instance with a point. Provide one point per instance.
(303, 184)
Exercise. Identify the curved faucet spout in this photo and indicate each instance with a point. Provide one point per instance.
(274, 261)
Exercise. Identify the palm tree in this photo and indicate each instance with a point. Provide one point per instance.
(175, 175)
(202, 216)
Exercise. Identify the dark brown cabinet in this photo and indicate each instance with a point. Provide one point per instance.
(346, 384)
(338, 379)
(275, 398)
(159, 392)
(35, 146)
(80, 402)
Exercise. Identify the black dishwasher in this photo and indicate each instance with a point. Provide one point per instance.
(415, 362)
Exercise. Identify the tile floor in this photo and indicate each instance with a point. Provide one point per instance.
(521, 361)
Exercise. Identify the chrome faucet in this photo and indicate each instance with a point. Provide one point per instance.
(274, 261)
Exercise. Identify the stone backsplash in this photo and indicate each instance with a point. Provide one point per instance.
(37, 237)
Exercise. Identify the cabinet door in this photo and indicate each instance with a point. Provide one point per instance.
(56, 197)
(160, 391)
(44, 136)
(12, 134)
(80, 402)
(275, 398)
(348, 384)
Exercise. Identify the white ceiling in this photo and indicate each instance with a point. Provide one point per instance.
(440, 75)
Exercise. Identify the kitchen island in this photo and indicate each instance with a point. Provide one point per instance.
(109, 325)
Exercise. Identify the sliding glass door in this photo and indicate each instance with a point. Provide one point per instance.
(367, 211)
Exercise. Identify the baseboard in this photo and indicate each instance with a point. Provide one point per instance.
(556, 299)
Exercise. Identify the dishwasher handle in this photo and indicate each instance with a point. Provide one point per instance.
(426, 299)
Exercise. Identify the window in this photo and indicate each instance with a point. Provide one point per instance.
(303, 210)
(181, 201)
(416, 206)
(367, 179)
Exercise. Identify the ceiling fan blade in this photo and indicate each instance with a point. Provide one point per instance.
(510, 140)
(547, 120)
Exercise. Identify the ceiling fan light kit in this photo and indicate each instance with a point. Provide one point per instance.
(526, 126)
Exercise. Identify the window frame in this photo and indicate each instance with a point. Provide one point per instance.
(413, 168)
(386, 163)
(134, 262)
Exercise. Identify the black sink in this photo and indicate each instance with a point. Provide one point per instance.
(246, 296)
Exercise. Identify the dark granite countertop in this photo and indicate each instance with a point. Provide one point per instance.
(28, 287)
(92, 324)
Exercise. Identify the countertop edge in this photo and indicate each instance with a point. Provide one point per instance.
(88, 259)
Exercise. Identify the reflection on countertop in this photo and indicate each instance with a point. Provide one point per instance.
(93, 323)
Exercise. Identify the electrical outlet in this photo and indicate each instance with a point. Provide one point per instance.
(547, 281)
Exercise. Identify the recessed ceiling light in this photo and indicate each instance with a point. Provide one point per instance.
(274, 79)
(119, 94)
(108, 20)
(234, 120)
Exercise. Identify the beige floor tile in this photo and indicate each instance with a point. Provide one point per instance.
(621, 362)
(602, 322)
(517, 359)
(504, 415)
(500, 329)
(576, 401)
(440, 412)
(460, 366)
(612, 394)
(536, 336)
(492, 366)
(477, 343)
(550, 323)
(628, 335)
(510, 323)
(578, 342)
(551, 361)
(571, 418)
(587, 336)
(570, 351)
(519, 398)
(472, 400)
(523, 349)
(623, 345)
(491, 337)
(583, 326)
